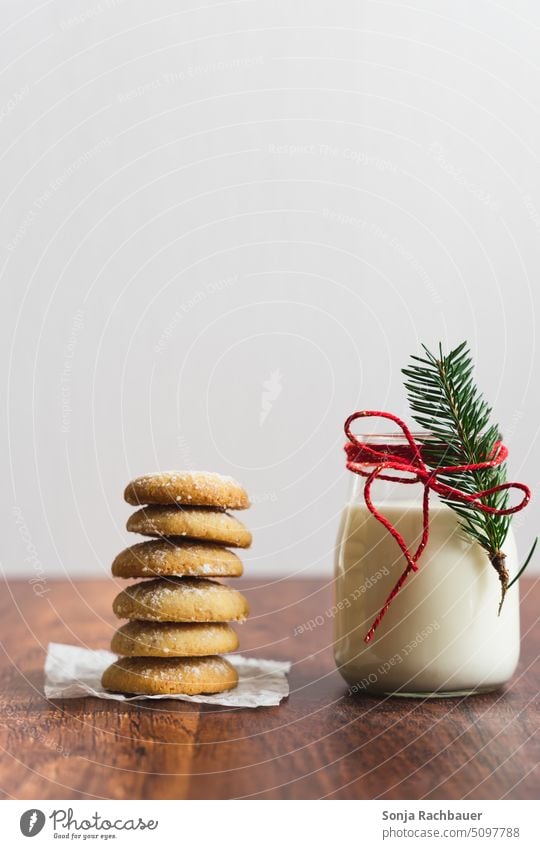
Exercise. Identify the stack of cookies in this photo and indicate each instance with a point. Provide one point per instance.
(178, 620)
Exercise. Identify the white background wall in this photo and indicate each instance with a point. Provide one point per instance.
(201, 199)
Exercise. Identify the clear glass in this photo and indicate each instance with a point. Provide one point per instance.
(441, 636)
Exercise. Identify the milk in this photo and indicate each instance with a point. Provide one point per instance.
(441, 633)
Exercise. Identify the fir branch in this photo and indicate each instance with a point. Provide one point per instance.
(446, 403)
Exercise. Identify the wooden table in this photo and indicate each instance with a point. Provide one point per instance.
(320, 743)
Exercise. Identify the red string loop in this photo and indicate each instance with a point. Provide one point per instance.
(408, 459)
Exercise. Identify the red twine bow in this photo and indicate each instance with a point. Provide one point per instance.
(408, 458)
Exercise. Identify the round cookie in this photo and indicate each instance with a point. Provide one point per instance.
(169, 639)
(181, 600)
(176, 557)
(161, 676)
(193, 522)
(198, 489)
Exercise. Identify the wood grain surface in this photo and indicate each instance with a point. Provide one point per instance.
(319, 743)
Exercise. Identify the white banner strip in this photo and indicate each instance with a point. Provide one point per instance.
(239, 824)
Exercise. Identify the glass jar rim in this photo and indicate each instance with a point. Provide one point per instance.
(393, 436)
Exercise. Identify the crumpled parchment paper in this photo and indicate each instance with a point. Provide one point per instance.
(72, 672)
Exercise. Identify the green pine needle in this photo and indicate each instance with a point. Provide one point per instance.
(446, 403)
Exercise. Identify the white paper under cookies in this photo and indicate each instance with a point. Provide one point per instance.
(72, 672)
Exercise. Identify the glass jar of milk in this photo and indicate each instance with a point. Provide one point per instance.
(441, 635)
